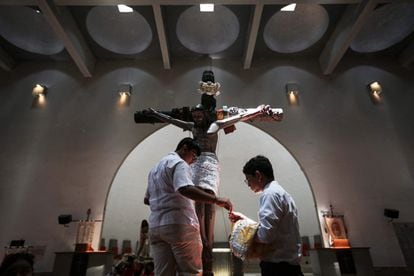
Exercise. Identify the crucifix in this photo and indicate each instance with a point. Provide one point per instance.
(224, 118)
(205, 121)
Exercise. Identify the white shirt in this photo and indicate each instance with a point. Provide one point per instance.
(167, 205)
(278, 225)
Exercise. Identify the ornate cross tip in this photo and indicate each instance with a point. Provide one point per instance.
(209, 88)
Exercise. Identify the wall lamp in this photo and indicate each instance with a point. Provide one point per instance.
(375, 91)
(292, 91)
(391, 214)
(39, 90)
(39, 95)
(124, 91)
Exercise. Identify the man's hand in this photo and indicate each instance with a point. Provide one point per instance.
(198, 194)
(235, 216)
(225, 203)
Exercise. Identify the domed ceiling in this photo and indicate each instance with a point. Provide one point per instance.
(387, 26)
(87, 31)
(207, 32)
(291, 32)
(122, 33)
(27, 29)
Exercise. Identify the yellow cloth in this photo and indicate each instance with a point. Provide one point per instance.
(242, 238)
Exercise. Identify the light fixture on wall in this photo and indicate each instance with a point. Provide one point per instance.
(124, 91)
(39, 90)
(391, 214)
(207, 7)
(375, 91)
(292, 91)
(39, 95)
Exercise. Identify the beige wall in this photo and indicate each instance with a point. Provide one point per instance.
(62, 158)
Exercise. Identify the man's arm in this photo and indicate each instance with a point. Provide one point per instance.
(235, 216)
(197, 194)
(168, 119)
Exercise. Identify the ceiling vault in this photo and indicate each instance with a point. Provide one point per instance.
(86, 31)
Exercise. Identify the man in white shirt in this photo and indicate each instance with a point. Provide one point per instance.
(278, 231)
(173, 225)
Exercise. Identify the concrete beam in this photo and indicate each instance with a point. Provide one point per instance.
(159, 22)
(6, 61)
(67, 31)
(347, 29)
(253, 30)
(406, 58)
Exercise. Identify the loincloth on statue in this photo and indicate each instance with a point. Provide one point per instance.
(206, 172)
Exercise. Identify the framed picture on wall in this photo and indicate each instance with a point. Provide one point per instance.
(336, 230)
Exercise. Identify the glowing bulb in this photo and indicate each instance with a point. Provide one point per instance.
(124, 9)
(41, 99)
(293, 99)
(290, 7)
(375, 87)
(206, 7)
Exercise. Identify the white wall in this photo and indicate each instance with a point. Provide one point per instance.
(63, 158)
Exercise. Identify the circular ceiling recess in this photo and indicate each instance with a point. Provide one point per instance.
(121, 33)
(387, 26)
(28, 30)
(291, 32)
(207, 32)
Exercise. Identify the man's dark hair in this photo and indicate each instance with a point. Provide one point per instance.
(261, 164)
(191, 145)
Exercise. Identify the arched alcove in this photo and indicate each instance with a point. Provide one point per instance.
(125, 209)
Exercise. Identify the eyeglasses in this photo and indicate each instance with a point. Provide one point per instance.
(194, 153)
(256, 177)
(247, 180)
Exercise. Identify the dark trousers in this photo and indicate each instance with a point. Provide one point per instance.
(280, 269)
